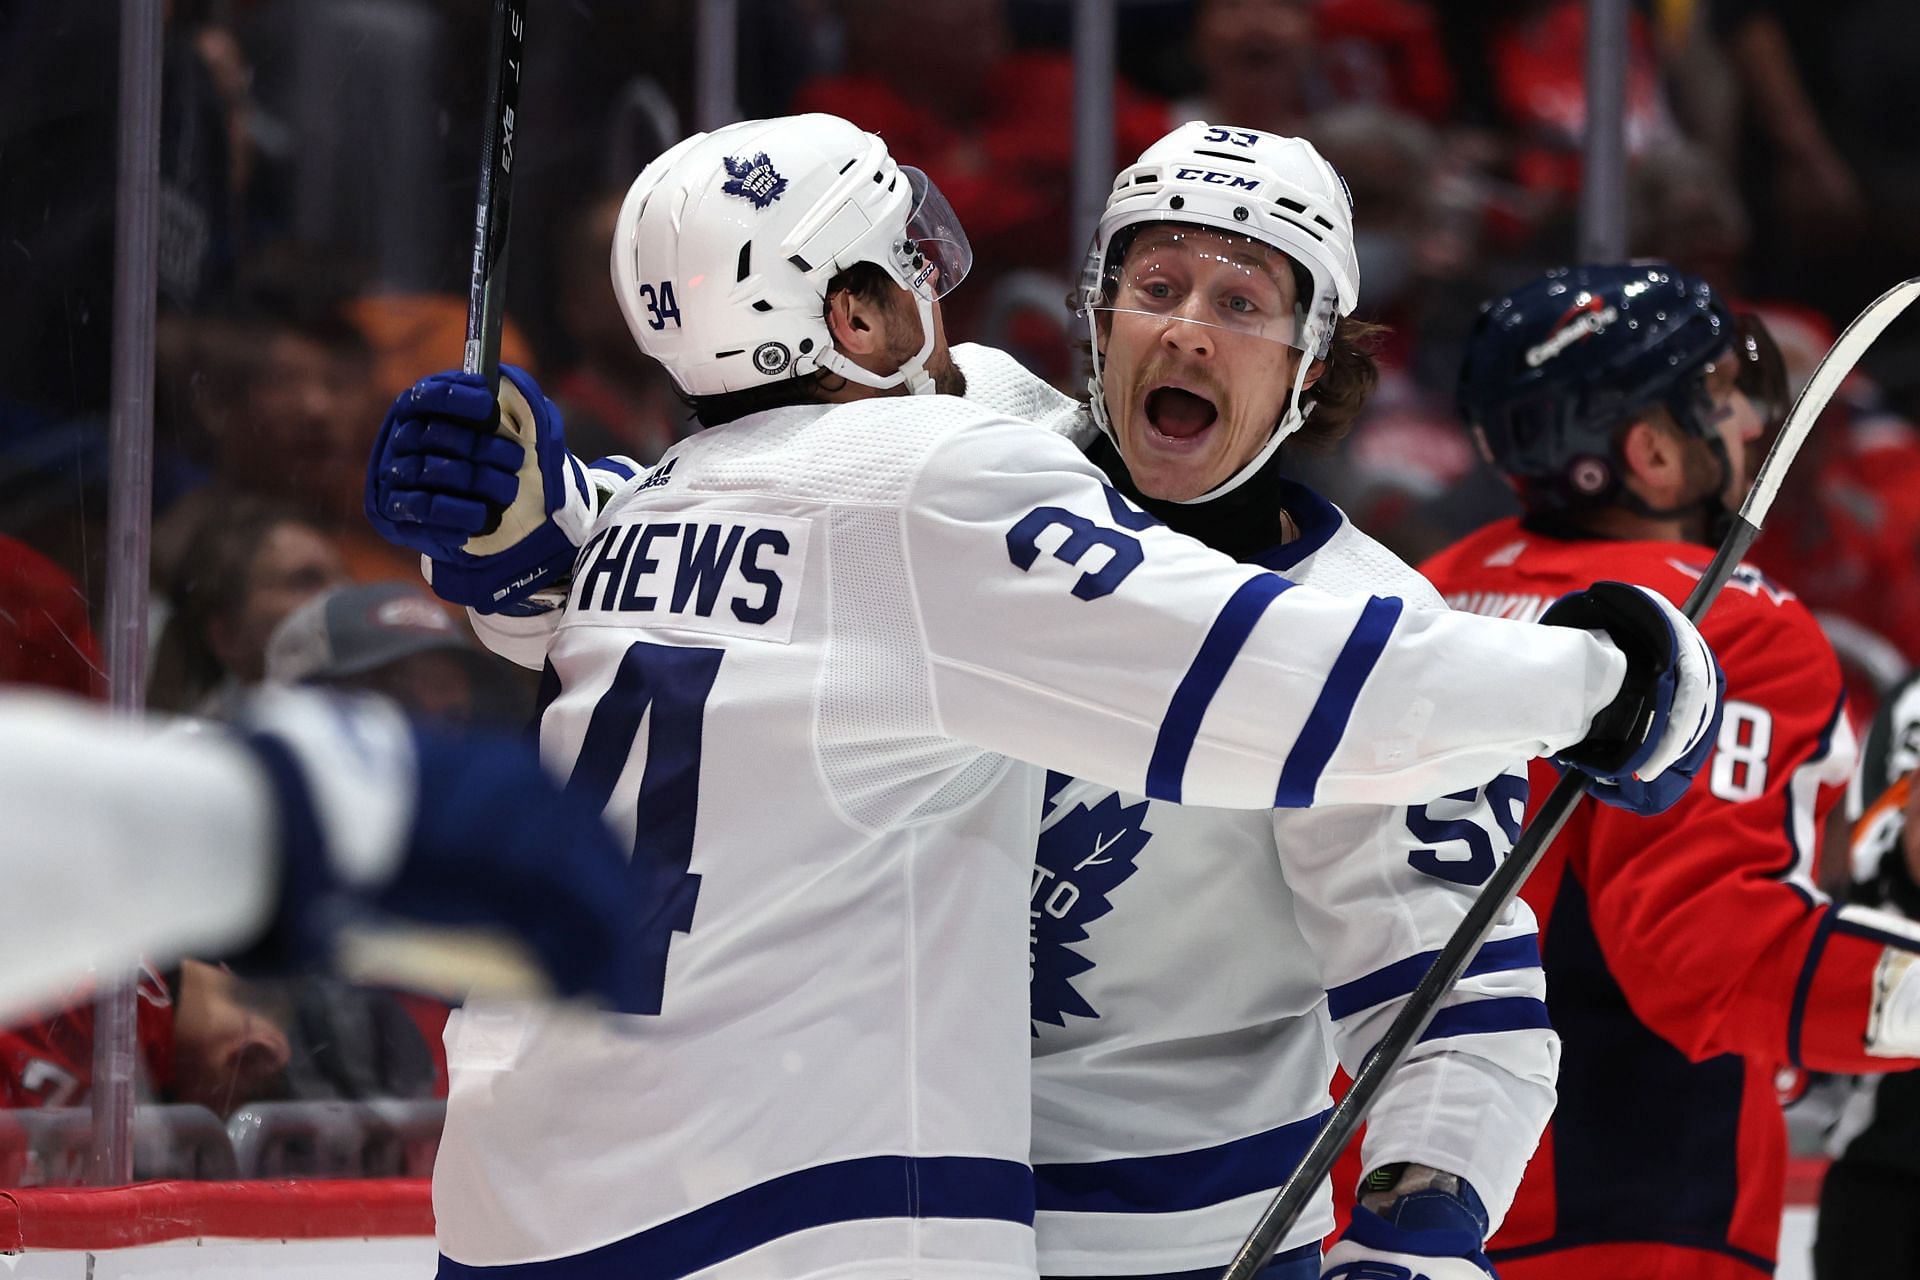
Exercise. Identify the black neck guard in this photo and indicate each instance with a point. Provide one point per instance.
(1243, 522)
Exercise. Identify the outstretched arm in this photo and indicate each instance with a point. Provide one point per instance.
(128, 840)
(1064, 626)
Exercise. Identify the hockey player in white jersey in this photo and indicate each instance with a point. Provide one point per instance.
(811, 662)
(1197, 972)
(316, 820)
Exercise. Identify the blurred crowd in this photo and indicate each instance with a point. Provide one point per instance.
(315, 208)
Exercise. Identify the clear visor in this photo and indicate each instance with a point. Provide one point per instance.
(933, 255)
(1213, 279)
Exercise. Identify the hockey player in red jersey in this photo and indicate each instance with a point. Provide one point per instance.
(1690, 954)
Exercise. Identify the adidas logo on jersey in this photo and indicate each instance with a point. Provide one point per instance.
(658, 477)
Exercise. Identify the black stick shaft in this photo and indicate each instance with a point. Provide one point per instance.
(486, 288)
(1418, 1011)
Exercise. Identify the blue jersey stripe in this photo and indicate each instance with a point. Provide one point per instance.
(1179, 1180)
(1482, 1017)
(615, 467)
(1190, 701)
(1803, 986)
(845, 1191)
(1398, 979)
(1327, 722)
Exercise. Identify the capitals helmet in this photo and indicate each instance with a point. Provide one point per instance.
(1552, 368)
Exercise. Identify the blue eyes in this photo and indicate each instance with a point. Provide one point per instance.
(1161, 291)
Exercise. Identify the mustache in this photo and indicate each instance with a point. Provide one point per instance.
(1161, 372)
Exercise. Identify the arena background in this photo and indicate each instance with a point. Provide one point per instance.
(232, 230)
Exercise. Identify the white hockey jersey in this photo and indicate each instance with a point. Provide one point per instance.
(794, 662)
(1186, 961)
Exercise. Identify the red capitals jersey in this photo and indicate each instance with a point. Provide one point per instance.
(49, 1063)
(1688, 955)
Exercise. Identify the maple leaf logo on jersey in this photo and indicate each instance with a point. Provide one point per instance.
(1081, 859)
(755, 180)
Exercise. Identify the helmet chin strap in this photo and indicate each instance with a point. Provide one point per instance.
(913, 373)
(1291, 421)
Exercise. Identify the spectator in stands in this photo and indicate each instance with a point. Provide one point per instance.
(1844, 531)
(247, 567)
(202, 1040)
(614, 400)
(991, 125)
(390, 638)
(1271, 64)
(1521, 69)
(1406, 473)
(58, 119)
(281, 394)
(45, 638)
(1683, 207)
(1807, 179)
(209, 1038)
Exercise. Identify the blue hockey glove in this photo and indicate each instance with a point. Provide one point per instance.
(1644, 748)
(1433, 1233)
(485, 490)
(380, 818)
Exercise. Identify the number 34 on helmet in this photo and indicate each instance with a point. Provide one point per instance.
(725, 245)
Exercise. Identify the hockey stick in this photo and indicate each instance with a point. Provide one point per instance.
(1412, 1020)
(487, 286)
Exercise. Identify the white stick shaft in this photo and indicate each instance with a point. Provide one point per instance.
(1812, 400)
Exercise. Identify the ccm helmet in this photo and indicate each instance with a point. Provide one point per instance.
(1273, 189)
(1553, 367)
(725, 245)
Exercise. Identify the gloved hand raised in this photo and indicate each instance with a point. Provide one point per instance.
(379, 818)
(486, 491)
(1644, 747)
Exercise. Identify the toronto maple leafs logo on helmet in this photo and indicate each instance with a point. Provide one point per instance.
(1081, 859)
(755, 179)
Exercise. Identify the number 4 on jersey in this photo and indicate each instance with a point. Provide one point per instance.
(673, 684)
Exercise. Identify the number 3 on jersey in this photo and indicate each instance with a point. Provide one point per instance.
(672, 683)
(1123, 551)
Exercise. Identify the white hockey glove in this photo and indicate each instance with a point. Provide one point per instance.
(485, 491)
(1645, 746)
(1426, 1225)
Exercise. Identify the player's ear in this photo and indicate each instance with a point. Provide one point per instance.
(1650, 454)
(224, 638)
(857, 322)
(1314, 371)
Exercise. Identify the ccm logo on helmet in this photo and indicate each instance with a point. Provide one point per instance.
(1587, 320)
(1217, 178)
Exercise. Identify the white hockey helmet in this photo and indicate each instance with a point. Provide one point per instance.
(1273, 189)
(726, 242)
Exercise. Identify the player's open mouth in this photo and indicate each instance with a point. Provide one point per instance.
(1177, 413)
